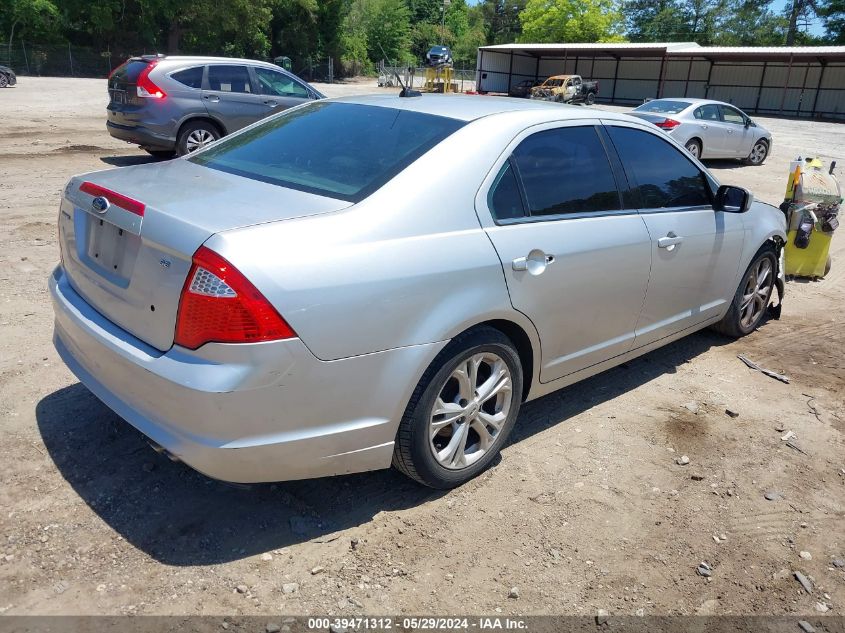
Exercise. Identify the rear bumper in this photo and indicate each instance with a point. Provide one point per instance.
(140, 135)
(243, 413)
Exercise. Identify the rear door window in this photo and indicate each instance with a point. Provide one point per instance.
(709, 112)
(566, 170)
(229, 79)
(660, 174)
(191, 77)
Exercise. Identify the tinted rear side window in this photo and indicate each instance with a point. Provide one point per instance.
(566, 171)
(191, 77)
(505, 201)
(128, 71)
(662, 176)
(340, 150)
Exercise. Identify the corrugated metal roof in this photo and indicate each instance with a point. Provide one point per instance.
(674, 48)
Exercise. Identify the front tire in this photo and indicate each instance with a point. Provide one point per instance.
(462, 411)
(4, 81)
(758, 153)
(751, 300)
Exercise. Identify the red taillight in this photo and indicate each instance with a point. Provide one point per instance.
(220, 305)
(668, 124)
(117, 199)
(145, 87)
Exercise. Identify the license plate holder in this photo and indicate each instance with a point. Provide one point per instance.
(107, 246)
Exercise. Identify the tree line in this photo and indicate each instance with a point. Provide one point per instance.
(357, 33)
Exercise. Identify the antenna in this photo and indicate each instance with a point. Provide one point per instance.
(406, 91)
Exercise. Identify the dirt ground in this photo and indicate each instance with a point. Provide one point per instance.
(587, 509)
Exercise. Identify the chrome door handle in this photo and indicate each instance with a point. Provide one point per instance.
(669, 242)
(535, 262)
(212, 98)
(270, 103)
(703, 126)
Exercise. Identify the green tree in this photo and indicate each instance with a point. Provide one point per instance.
(571, 21)
(832, 14)
(656, 21)
(31, 18)
(500, 20)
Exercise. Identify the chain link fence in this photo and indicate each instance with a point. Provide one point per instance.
(65, 60)
(414, 76)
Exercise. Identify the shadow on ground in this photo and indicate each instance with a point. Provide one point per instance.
(128, 161)
(180, 517)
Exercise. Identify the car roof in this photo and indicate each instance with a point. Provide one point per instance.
(692, 101)
(202, 59)
(472, 107)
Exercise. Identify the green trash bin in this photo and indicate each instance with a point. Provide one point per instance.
(283, 61)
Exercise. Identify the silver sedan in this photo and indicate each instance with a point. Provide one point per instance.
(381, 280)
(709, 129)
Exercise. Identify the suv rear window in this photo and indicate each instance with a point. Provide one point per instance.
(339, 150)
(129, 70)
(191, 77)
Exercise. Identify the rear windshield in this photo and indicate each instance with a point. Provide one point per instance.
(663, 106)
(339, 150)
(129, 70)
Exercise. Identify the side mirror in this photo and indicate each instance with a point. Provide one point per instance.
(733, 199)
(748, 123)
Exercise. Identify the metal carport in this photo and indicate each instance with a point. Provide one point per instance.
(791, 81)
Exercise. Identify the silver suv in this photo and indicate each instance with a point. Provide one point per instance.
(166, 103)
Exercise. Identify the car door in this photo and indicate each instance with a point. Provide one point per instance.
(695, 250)
(280, 90)
(710, 129)
(575, 262)
(230, 96)
(739, 136)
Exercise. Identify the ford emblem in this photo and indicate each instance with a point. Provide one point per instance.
(100, 204)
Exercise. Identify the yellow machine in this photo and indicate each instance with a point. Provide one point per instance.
(439, 79)
(811, 204)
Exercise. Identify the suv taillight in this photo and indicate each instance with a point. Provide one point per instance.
(145, 87)
(220, 305)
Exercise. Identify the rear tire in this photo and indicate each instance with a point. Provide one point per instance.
(4, 81)
(195, 135)
(590, 98)
(462, 411)
(693, 146)
(751, 301)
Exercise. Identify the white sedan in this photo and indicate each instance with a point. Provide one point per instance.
(709, 129)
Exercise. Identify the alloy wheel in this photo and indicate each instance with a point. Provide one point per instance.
(470, 410)
(4, 81)
(198, 139)
(692, 148)
(758, 153)
(755, 296)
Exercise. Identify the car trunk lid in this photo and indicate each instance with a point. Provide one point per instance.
(129, 258)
